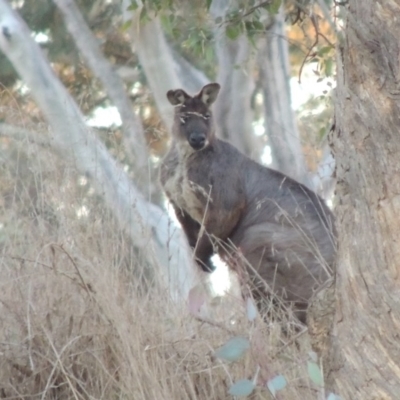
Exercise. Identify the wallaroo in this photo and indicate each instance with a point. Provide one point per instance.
(276, 229)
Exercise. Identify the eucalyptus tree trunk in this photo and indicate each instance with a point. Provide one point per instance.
(164, 247)
(164, 69)
(280, 123)
(232, 110)
(365, 361)
(233, 107)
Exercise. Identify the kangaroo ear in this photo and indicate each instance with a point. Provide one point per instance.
(176, 97)
(209, 93)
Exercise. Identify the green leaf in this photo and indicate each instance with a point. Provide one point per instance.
(248, 25)
(274, 6)
(324, 50)
(258, 26)
(242, 388)
(126, 25)
(157, 5)
(133, 6)
(208, 4)
(165, 22)
(328, 66)
(312, 354)
(333, 396)
(175, 33)
(232, 31)
(252, 41)
(233, 349)
(315, 374)
(321, 132)
(209, 54)
(168, 22)
(251, 309)
(143, 17)
(277, 383)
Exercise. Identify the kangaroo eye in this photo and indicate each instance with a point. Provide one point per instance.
(207, 115)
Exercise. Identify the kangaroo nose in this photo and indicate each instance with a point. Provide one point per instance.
(197, 140)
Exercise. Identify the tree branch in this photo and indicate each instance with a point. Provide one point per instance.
(155, 58)
(149, 227)
(113, 84)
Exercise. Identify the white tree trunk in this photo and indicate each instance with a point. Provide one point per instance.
(165, 69)
(150, 46)
(113, 84)
(233, 112)
(149, 227)
(280, 122)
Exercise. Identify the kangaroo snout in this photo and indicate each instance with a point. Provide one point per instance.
(197, 140)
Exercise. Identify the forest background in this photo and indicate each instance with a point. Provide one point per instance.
(100, 298)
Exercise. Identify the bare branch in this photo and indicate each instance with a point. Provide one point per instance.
(149, 227)
(102, 68)
(309, 54)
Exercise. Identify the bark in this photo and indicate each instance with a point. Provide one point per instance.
(113, 84)
(151, 48)
(366, 144)
(162, 245)
(280, 123)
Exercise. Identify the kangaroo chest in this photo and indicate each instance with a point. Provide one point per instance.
(187, 194)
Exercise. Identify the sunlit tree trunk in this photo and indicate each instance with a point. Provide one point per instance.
(366, 143)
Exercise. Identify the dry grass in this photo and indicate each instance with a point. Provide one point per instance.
(77, 320)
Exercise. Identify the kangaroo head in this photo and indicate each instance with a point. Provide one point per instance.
(193, 122)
